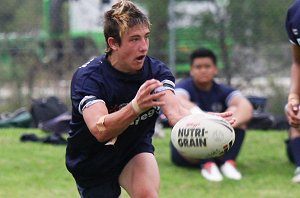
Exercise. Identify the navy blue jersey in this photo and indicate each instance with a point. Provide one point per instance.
(214, 100)
(93, 162)
(292, 23)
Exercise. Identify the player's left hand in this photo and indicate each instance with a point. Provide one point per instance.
(227, 115)
(292, 110)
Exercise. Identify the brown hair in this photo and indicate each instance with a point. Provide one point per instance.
(122, 16)
(203, 53)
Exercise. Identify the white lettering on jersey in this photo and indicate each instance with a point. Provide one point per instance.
(85, 64)
(146, 115)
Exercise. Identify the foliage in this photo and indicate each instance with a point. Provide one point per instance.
(257, 22)
(159, 27)
(38, 170)
(239, 28)
(20, 15)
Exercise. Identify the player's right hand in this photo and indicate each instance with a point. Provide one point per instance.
(145, 98)
(293, 114)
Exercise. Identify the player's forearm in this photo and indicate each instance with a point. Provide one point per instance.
(295, 71)
(295, 79)
(176, 114)
(173, 109)
(185, 102)
(111, 125)
(243, 114)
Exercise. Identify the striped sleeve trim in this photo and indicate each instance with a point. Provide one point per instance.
(88, 101)
(231, 95)
(182, 91)
(167, 85)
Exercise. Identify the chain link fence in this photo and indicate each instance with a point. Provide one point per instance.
(42, 43)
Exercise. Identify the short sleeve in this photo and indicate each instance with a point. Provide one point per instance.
(292, 24)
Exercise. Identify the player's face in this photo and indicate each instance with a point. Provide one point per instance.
(133, 49)
(203, 70)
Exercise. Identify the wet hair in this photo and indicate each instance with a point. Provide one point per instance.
(203, 53)
(122, 16)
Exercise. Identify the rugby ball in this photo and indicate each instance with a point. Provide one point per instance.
(202, 136)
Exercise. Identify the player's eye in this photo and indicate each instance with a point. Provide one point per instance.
(197, 66)
(135, 39)
(207, 66)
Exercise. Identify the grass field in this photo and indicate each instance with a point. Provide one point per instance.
(35, 170)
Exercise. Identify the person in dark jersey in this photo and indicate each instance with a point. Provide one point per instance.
(292, 25)
(116, 99)
(200, 90)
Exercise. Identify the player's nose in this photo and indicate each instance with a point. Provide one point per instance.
(144, 45)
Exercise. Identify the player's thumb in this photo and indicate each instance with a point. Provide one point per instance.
(295, 107)
(293, 100)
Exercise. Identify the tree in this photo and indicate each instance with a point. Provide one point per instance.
(257, 22)
(158, 14)
(243, 33)
(20, 15)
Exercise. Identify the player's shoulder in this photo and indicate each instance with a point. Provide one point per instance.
(93, 64)
(158, 68)
(222, 87)
(294, 6)
(90, 70)
(89, 67)
(292, 22)
(155, 63)
(184, 81)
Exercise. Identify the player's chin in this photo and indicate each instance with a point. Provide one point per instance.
(204, 81)
(138, 65)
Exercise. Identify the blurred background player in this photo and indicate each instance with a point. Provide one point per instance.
(200, 90)
(292, 108)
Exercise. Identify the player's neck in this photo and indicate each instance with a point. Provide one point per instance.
(120, 65)
(115, 63)
(206, 86)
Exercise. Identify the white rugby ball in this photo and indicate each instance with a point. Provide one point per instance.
(201, 136)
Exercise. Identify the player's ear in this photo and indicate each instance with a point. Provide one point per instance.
(191, 71)
(216, 70)
(113, 44)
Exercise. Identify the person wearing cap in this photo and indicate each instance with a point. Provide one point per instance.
(292, 25)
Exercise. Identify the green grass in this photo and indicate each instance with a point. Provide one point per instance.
(38, 170)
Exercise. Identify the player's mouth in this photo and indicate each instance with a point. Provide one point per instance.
(140, 58)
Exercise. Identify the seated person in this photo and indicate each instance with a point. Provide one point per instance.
(201, 92)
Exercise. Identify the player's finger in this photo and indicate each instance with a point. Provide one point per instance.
(231, 121)
(157, 96)
(158, 103)
(225, 114)
(152, 100)
(292, 116)
(297, 126)
(149, 86)
(151, 82)
(293, 107)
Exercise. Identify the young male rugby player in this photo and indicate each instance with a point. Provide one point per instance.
(116, 99)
